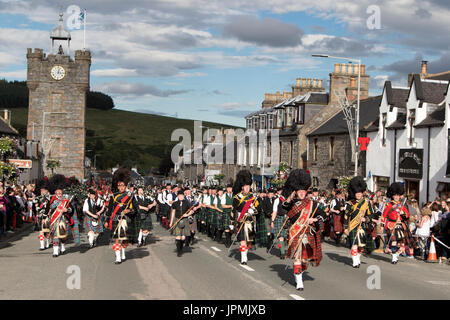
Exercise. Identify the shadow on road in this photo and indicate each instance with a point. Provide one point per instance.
(338, 258)
(287, 275)
(137, 253)
(24, 230)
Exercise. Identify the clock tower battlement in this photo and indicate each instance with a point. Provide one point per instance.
(58, 85)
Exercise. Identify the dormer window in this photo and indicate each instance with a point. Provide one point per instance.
(411, 120)
(383, 129)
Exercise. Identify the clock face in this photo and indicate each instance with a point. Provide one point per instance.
(58, 72)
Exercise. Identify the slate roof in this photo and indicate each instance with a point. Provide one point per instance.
(434, 119)
(368, 112)
(7, 129)
(431, 92)
(400, 123)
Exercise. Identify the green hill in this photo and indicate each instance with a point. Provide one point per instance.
(126, 138)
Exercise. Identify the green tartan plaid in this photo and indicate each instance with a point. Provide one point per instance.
(209, 217)
(277, 224)
(225, 220)
(369, 243)
(261, 231)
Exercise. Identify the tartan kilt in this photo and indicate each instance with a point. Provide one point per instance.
(209, 217)
(54, 227)
(88, 227)
(123, 236)
(193, 225)
(261, 231)
(217, 219)
(241, 235)
(134, 225)
(338, 223)
(277, 224)
(146, 224)
(182, 228)
(314, 243)
(366, 240)
(200, 214)
(400, 235)
(225, 220)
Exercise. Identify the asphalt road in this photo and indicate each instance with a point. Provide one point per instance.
(206, 271)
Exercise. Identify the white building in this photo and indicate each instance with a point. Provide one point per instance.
(410, 143)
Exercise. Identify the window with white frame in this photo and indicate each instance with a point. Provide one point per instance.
(263, 122)
(383, 129)
(301, 114)
(255, 123)
(270, 121)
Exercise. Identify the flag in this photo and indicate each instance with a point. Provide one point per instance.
(82, 15)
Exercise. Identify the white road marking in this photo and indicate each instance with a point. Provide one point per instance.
(442, 283)
(246, 267)
(216, 249)
(296, 297)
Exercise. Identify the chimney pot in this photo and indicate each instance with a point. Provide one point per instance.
(337, 68)
(309, 82)
(314, 83)
(304, 82)
(424, 67)
(320, 83)
(344, 68)
(278, 95)
(352, 82)
(350, 68)
(363, 69)
(298, 82)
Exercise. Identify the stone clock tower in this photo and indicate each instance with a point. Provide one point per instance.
(57, 86)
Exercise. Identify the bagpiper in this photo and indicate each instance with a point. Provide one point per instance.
(92, 221)
(122, 206)
(144, 218)
(267, 209)
(245, 207)
(61, 213)
(337, 210)
(358, 220)
(395, 218)
(279, 223)
(180, 212)
(42, 208)
(226, 203)
(304, 245)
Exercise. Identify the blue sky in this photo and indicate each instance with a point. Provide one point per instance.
(214, 60)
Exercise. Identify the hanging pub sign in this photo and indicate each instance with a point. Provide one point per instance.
(410, 164)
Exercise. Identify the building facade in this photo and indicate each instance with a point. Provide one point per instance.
(57, 86)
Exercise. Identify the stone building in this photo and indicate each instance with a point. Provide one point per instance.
(330, 150)
(57, 86)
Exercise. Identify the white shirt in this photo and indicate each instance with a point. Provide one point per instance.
(275, 205)
(207, 199)
(86, 205)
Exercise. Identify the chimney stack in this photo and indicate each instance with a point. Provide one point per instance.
(363, 69)
(424, 67)
(352, 82)
(7, 116)
(303, 82)
(278, 95)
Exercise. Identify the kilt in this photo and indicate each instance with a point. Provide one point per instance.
(146, 223)
(88, 226)
(241, 235)
(201, 214)
(314, 252)
(209, 216)
(268, 225)
(261, 231)
(53, 229)
(279, 220)
(193, 225)
(120, 233)
(338, 223)
(182, 228)
(225, 220)
(134, 225)
(366, 240)
(400, 236)
(39, 224)
(216, 218)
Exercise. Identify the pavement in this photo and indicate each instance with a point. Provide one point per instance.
(206, 271)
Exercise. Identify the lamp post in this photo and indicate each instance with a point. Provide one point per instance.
(357, 103)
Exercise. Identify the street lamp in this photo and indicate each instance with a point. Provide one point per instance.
(357, 103)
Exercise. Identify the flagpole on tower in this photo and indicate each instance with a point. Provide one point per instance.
(84, 27)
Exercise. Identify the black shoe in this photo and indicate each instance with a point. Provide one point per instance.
(139, 245)
(282, 257)
(299, 289)
(41, 249)
(91, 246)
(244, 263)
(55, 256)
(179, 254)
(117, 262)
(358, 265)
(394, 262)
